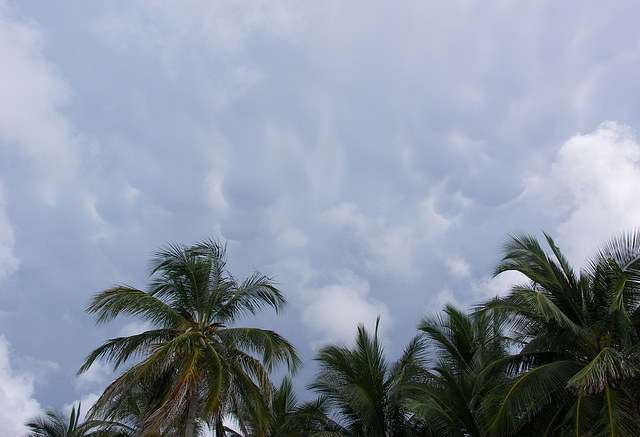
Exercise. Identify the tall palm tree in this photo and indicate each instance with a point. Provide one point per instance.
(201, 365)
(451, 397)
(578, 370)
(364, 393)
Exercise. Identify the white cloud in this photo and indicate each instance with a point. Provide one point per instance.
(482, 290)
(489, 287)
(444, 297)
(390, 245)
(458, 267)
(336, 310)
(85, 404)
(134, 328)
(17, 404)
(96, 377)
(593, 186)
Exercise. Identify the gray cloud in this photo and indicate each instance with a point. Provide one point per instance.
(370, 156)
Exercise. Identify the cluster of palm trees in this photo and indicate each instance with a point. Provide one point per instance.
(558, 355)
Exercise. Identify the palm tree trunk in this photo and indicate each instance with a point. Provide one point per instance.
(191, 415)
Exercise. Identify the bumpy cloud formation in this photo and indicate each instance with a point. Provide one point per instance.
(371, 158)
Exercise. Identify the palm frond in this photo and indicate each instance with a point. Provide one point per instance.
(273, 347)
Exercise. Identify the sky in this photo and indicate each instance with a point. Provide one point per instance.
(372, 157)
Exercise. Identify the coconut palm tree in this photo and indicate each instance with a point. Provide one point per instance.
(53, 424)
(199, 363)
(578, 370)
(451, 397)
(363, 392)
(288, 417)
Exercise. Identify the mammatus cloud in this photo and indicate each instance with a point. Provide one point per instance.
(384, 147)
(337, 309)
(214, 33)
(36, 93)
(388, 246)
(223, 26)
(17, 404)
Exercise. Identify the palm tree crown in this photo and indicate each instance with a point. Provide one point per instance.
(201, 364)
(365, 392)
(577, 372)
(452, 395)
(53, 424)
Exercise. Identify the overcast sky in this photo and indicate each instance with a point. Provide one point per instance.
(372, 156)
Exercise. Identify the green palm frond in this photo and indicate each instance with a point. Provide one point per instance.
(581, 336)
(130, 301)
(273, 347)
(607, 367)
(362, 391)
(523, 397)
(451, 394)
(53, 424)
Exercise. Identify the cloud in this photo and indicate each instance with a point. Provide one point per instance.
(213, 34)
(389, 246)
(96, 377)
(8, 261)
(85, 404)
(17, 403)
(592, 188)
(458, 267)
(32, 125)
(489, 287)
(357, 153)
(223, 26)
(336, 310)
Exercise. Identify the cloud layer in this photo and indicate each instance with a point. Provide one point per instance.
(371, 157)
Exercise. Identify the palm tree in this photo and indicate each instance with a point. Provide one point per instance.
(288, 417)
(54, 424)
(200, 365)
(451, 397)
(362, 391)
(578, 370)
